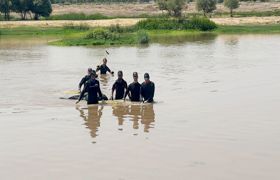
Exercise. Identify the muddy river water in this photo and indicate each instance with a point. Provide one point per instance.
(216, 118)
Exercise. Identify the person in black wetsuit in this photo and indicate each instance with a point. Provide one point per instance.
(147, 89)
(104, 68)
(133, 90)
(85, 79)
(92, 87)
(120, 86)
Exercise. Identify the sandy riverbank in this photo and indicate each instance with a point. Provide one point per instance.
(131, 9)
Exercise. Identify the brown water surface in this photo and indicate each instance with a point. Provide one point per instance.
(216, 116)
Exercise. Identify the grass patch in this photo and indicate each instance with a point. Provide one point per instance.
(249, 14)
(78, 16)
(195, 23)
(249, 29)
(80, 27)
(117, 35)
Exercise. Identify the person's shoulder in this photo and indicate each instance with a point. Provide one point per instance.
(88, 81)
(136, 84)
(132, 84)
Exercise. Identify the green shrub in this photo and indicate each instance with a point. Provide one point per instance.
(120, 29)
(203, 24)
(142, 37)
(196, 23)
(81, 27)
(158, 23)
(102, 34)
(77, 16)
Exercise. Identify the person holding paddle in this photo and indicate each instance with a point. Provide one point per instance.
(92, 87)
(104, 68)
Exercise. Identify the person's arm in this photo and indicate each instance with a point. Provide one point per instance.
(82, 93)
(113, 89)
(127, 92)
(99, 91)
(125, 85)
(82, 82)
(97, 68)
(151, 95)
(141, 93)
(109, 70)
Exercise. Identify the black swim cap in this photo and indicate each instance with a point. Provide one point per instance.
(93, 73)
(146, 75)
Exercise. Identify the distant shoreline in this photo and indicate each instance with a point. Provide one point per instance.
(132, 21)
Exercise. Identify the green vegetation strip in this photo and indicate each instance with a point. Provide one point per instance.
(152, 30)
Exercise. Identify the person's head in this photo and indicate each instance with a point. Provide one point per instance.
(146, 77)
(104, 61)
(135, 76)
(89, 71)
(93, 74)
(120, 74)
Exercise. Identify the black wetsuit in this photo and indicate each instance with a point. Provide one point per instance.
(120, 85)
(133, 91)
(103, 69)
(92, 87)
(84, 80)
(148, 91)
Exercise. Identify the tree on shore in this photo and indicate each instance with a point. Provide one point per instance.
(41, 8)
(37, 7)
(22, 7)
(207, 6)
(5, 8)
(173, 7)
(231, 4)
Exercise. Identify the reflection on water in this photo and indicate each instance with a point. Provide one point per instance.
(136, 114)
(204, 38)
(92, 118)
(219, 118)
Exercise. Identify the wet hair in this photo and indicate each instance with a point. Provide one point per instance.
(120, 72)
(146, 75)
(135, 74)
(90, 69)
(93, 73)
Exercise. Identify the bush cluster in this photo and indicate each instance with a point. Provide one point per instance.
(80, 27)
(143, 37)
(196, 23)
(102, 34)
(77, 16)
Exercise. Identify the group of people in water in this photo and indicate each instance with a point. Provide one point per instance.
(135, 91)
